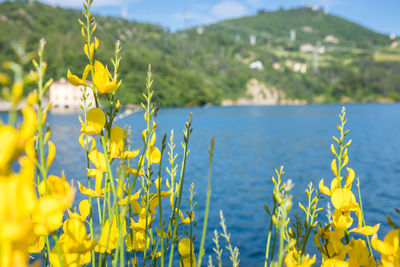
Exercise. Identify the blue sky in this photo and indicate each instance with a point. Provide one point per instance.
(379, 15)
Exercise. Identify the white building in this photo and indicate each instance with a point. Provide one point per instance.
(306, 48)
(200, 30)
(256, 65)
(252, 39)
(331, 39)
(276, 66)
(307, 29)
(66, 97)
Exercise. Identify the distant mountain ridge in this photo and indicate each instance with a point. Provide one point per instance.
(340, 60)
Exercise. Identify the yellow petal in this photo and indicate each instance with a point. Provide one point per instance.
(51, 154)
(85, 49)
(99, 160)
(117, 136)
(334, 185)
(30, 149)
(96, 43)
(130, 154)
(184, 247)
(155, 155)
(89, 192)
(345, 161)
(133, 171)
(86, 72)
(380, 246)
(343, 199)
(90, 140)
(73, 79)
(349, 178)
(153, 137)
(84, 208)
(366, 230)
(48, 217)
(101, 77)
(37, 245)
(324, 189)
(96, 119)
(334, 167)
(28, 127)
(8, 143)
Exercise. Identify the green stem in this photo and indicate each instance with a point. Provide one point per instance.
(362, 217)
(203, 236)
(269, 238)
(188, 130)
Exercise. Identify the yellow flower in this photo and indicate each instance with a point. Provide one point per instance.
(334, 263)
(75, 80)
(102, 79)
(48, 216)
(8, 143)
(389, 248)
(154, 152)
(75, 238)
(366, 230)
(292, 256)
(343, 199)
(91, 142)
(111, 234)
(37, 244)
(186, 251)
(137, 242)
(95, 121)
(359, 254)
(17, 203)
(29, 125)
(117, 135)
(131, 200)
(56, 196)
(57, 188)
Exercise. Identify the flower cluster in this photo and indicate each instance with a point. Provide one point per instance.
(334, 240)
(32, 203)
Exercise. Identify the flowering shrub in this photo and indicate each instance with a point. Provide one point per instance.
(125, 190)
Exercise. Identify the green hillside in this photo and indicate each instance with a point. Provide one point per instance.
(309, 25)
(211, 64)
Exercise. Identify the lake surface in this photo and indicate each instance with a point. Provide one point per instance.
(251, 142)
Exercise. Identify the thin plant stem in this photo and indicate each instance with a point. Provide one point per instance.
(203, 236)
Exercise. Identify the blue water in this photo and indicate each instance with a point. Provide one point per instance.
(253, 141)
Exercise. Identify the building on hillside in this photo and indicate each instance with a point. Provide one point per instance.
(307, 29)
(66, 97)
(256, 65)
(200, 30)
(331, 39)
(309, 48)
(306, 48)
(276, 66)
(296, 66)
(252, 39)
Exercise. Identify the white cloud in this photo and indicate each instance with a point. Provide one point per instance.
(228, 9)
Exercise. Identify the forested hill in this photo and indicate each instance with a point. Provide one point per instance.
(310, 26)
(302, 54)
